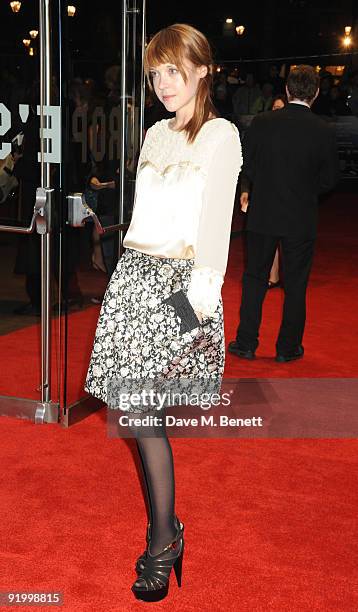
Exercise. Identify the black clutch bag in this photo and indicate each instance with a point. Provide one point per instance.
(184, 310)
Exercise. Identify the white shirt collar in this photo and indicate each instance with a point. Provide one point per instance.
(299, 102)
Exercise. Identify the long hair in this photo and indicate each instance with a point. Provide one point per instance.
(174, 45)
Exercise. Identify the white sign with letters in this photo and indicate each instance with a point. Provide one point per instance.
(51, 131)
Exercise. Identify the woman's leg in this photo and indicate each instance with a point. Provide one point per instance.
(158, 467)
(275, 274)
(148, 501)
(97, 255)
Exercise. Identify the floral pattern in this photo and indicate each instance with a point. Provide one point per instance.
(137, 335)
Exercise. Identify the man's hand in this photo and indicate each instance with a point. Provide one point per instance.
(244, 201)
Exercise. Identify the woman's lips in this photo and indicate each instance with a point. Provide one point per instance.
(167, 97)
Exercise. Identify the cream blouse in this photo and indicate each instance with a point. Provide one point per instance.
(184, 201)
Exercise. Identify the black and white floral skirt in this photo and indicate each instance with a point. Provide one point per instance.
(138, 334)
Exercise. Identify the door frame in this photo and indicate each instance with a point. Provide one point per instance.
(51, 12)
(46, 410)
(86, 405)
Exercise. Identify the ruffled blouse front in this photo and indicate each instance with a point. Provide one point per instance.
(184, 201)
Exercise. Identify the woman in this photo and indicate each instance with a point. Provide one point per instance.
(162, 316)
(274, 280)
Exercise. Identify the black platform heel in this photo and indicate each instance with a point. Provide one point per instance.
(153, 582)
(140, 563)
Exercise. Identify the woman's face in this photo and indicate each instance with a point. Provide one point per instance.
(278, 104)
(170, 87)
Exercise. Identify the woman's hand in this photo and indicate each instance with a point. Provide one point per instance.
(199, 315)
(244, 201)
(96, 184)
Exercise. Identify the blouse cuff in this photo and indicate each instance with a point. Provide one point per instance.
(204, 290)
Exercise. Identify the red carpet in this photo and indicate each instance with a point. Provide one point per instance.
(270, 524)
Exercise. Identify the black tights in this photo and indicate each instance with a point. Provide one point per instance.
(158, 470)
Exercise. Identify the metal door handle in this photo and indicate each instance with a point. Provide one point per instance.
(79, 212)
(40, 216)
(20, 230)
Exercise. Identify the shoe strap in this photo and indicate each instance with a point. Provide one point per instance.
(172, 546)
(178, 525)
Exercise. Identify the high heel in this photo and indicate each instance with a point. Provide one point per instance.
(140, 563)
(153, 583)
(178, 565)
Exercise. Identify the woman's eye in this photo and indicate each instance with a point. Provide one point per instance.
(173, 70)
(152, 73)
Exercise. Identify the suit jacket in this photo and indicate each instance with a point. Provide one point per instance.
(290, 157)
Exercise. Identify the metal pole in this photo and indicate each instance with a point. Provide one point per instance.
(123, 120)
(45, 100)
(142, 89)
(133, 59)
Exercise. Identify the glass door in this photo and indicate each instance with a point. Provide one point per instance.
(29, 173)
(71, 125)
(102, 117)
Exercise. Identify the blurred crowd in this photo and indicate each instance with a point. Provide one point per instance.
(241, 95)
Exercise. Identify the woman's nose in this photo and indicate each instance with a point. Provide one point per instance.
(163, 81)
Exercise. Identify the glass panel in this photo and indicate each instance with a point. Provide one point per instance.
(22, 145)
(92, 163)
(20, 255)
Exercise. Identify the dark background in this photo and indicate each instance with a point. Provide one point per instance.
(273, 29)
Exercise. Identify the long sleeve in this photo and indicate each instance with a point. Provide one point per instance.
(245, 184)
(213, 237)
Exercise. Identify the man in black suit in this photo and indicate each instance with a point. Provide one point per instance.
(290, 156)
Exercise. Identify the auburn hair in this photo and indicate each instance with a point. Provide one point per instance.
(174, 45)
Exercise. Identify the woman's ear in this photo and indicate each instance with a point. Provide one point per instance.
(202, 71)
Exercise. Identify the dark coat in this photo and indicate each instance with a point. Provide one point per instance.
(290, 157)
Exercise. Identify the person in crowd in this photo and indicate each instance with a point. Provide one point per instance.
(323, 103)
(222, 98)
(97, 100)
(277, 82)
(274, 279)
(353, 92)
(264, 101)
(102, 179)
(290, 156)
(339, 104)
(244, 97)
(162, 314)
(279, 102)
